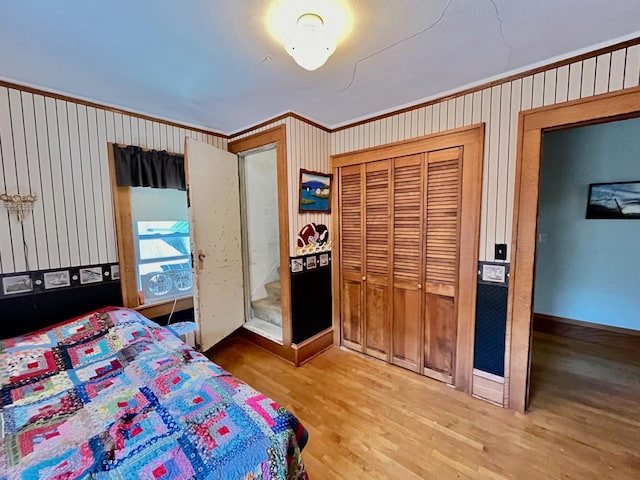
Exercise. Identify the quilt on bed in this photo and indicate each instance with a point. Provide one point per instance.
(113, 395)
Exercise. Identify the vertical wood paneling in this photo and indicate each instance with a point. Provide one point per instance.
(57, 181)
(46, 184)
(632, 67)
(23, 181)
(588, 77)
(616, 72)
(575, 80)
(58, 151)
(499, 107)
(10, 261)
(68, 186)
(603, 63)
(562, 84)
(35, 182)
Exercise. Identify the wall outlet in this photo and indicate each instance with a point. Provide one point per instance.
(501, 251)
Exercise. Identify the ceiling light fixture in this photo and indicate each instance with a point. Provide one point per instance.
(310, 44)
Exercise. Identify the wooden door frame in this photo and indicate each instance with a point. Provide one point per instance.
(471, 138)
(532, 124)
(278, 136)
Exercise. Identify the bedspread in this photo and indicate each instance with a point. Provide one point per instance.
(113, 395)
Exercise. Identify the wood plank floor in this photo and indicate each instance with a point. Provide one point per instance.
(367, 419)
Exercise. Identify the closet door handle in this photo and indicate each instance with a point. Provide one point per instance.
(364, 278)
(419, 286)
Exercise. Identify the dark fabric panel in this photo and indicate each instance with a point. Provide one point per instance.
(491, 324)
(136, 167)
(310, 299)
(28, 313)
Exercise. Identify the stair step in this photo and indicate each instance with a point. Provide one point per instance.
(268, 309)
(273, 289)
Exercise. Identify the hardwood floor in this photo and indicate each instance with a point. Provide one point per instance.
(367, 419)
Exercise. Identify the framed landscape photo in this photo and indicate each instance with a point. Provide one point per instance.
(615, 201)
(315, 191)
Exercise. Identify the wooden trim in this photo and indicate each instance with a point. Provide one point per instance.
(153, 310)
(79, 101)
(619, 338)
(489, 387)
(500, 81)
(277, 119)
(287, 354)
(436, 375)
(124, 236)
(434, 141)
(278, 136)
(336, 280)
(313, 347)
(596, 109)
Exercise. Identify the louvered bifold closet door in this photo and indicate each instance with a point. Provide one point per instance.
(377, 258)
(442, 200)
(351, 255)
(406, 330)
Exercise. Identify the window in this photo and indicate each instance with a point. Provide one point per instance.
(163, 259)
(152, 226)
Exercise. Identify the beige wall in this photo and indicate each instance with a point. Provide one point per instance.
(58, 150)
(498, 107)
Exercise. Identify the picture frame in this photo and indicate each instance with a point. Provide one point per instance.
(58, 279)
(90, 275)
(296, 265)
(17, 284)
(315, 192)
(614, 201)
(324, 259)
(494, 273)
(311, 262)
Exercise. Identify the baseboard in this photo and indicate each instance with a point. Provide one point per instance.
(313, 347)
(587, 332)
(489, 387)
(286, 353)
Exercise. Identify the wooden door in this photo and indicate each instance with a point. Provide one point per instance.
(442, 180)
(214, 215)
(351, 256)
(377, 262)
(406, 329)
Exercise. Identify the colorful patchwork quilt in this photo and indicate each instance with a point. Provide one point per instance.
(112, 395)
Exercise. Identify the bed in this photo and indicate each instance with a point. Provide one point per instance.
(113, 395)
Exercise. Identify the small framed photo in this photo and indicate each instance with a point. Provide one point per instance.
(17, 284)
(90, 275)
(324, 259)
(115, 272)
(296, 265)
(57, 279)
(494, 273)
(614, 201)
(311, 262)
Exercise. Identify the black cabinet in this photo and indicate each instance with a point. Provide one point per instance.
(310, 295)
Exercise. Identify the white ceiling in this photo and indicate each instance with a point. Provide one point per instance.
(200, 62)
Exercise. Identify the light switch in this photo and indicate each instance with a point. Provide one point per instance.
(501, 251)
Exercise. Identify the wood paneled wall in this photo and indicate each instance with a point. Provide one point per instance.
(57, 149)
(498, 106)
(307, 148)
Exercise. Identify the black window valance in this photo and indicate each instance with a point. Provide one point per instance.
(136, 167)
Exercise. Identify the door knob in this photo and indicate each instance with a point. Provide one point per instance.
(419, 286)
(201, 257)
(364, 278)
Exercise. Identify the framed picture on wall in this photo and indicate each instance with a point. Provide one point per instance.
(17, 284)
(616, 201)
(315, 191)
